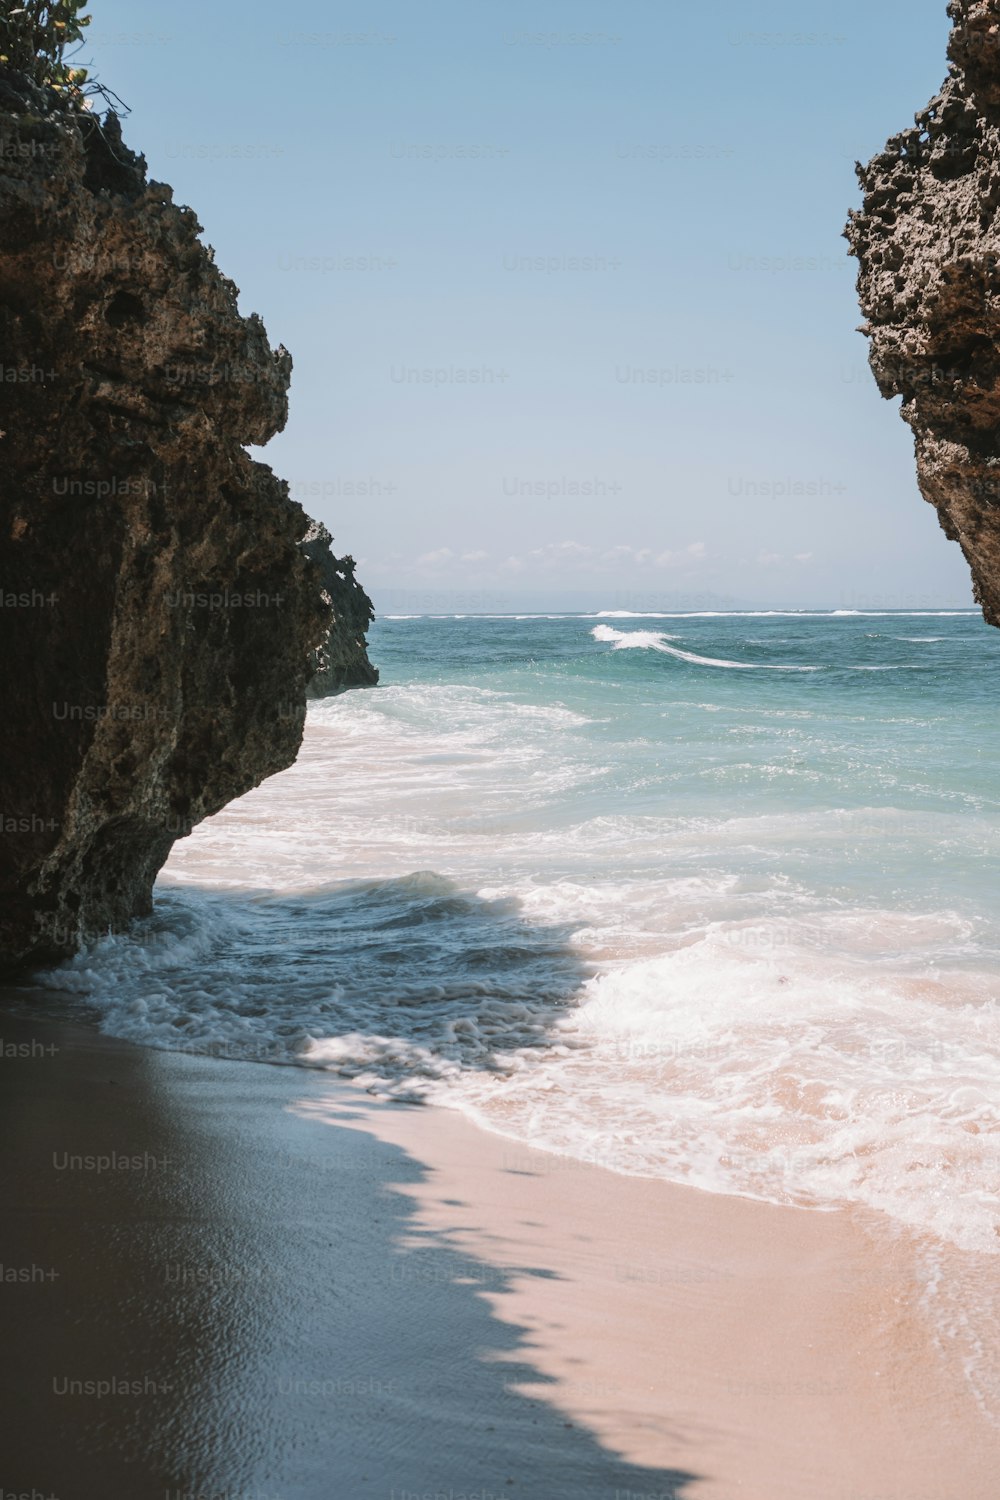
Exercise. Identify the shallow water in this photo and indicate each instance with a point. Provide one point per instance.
(710, 898)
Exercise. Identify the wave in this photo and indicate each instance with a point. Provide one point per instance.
(780, 1057)
(648, 640)
(785, 614)
(749, 1063)
(718, 951)
(412, 976)
(702, 614)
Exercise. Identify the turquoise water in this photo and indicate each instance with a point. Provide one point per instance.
(704, 898)
(826, 717)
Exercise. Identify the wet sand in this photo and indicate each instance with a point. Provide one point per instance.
(225, 1279)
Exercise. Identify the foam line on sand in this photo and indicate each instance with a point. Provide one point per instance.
(263, 1283)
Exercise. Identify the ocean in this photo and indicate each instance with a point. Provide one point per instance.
(705, 897)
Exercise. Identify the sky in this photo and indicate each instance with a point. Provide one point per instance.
(571, 315)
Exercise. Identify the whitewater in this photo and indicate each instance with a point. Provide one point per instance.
(703, 898)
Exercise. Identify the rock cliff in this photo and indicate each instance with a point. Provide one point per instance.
(158, 610)
(341, 661)
(928, 242)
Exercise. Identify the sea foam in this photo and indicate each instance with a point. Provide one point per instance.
(740, 938)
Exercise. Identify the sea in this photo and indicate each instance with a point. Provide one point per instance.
(709, 898)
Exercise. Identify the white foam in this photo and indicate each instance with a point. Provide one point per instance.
(690, 947)
(771, 1074)
(773, 1054)
(648, 640)
(787, 614)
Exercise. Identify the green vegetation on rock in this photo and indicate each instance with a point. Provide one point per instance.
(34, 38)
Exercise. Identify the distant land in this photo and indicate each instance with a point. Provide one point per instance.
(592, 599)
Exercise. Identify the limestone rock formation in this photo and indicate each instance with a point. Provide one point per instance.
(341, 661)
(158, 613)
(928, 242)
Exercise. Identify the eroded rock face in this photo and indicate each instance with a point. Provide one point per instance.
(928, 242)
(341, 661)
(158, 614)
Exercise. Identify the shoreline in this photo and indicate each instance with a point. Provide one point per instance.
(276, 1287)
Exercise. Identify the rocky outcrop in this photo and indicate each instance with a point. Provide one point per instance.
(341, 661)
(157, 610)
(928, 242)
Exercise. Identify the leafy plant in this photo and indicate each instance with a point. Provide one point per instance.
(34, 38)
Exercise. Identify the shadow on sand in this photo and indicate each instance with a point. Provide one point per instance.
(286, 1330)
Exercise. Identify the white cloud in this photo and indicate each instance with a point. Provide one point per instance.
(568, 558)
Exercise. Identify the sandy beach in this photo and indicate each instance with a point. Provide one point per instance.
(499, 774)
(230, 1279)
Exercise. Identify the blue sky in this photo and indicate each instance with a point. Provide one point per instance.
(563, 283)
